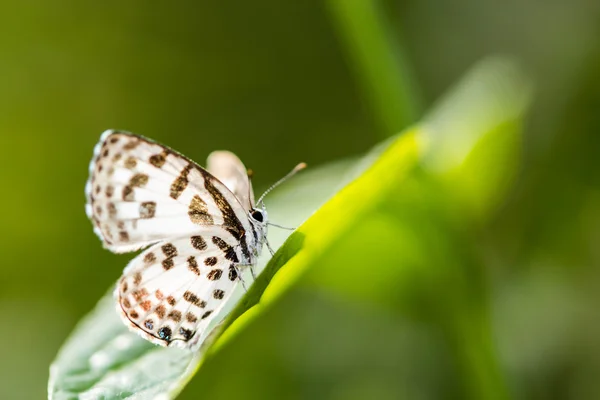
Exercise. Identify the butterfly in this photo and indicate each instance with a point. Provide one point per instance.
(198, 227)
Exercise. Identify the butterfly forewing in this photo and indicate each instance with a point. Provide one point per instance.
(142, 194)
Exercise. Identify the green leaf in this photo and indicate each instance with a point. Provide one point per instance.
(396, 241)
(103, 359)
(475, 134)
(388, 255)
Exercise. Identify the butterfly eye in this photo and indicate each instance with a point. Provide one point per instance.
(257, 215)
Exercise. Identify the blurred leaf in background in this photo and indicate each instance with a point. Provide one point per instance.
(279, 82)
(387, 297)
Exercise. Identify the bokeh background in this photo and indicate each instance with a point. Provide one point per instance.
(279, 83)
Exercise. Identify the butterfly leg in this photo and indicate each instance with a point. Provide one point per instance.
(240, 276)
(270, 248)
(251, 271)
(243, 283)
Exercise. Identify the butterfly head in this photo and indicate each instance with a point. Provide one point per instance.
(258, 215)
(259, 220)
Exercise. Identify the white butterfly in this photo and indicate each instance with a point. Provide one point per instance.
(202, 227)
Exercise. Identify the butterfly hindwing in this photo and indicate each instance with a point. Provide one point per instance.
(141, 192)
(227, 168)
(172, 290)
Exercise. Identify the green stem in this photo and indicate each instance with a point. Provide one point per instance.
(481, 369)
(379, 62)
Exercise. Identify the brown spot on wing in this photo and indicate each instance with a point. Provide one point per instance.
(147, 209)
(132, 144)
(150, 258)
(171, 300)
(138, 180)
(160, 311)
(159, 295)
(158, 160)
(198, 243)
(186, 333)
(192, 298)
(214, 275)
(226, 248)
(137, 278)
(198, 212)
(168, 263)
(191, 318)
(218, 294)
(169, 250)
(127, 193)
(233, 274)
(139, 294)
(146, 305)
(180, 183)
(130, 162)
(175, 315)
(112, 209)
(206, 314)
(210, 261)
(193, 265)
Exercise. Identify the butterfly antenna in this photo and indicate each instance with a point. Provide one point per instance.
(281, 227)
(250, 175)
(293, 172)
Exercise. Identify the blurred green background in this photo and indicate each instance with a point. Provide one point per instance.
(277, 83)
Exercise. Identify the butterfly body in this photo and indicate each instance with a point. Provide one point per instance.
(198, 227)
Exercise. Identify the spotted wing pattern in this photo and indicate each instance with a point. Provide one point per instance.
(141, 192)
(169, 293)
